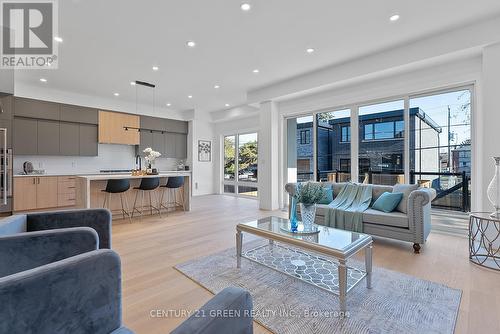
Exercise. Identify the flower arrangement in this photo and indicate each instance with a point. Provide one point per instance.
(309, 193)
(151, 155)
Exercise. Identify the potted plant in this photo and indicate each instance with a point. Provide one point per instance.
(308, 195)
(150, 157)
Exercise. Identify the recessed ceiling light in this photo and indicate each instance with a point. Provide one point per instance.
(191, 44)
(190, 96)
(245, 7)
(394, 17)
(58, 39)
(169, 104)
(256, 71)
(227, 104)
(216, 86)
(116, 94)
(310, 50)
(43, 80)
(155, 68)
(132, 83)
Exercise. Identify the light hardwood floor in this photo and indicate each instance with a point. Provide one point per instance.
(150, 247)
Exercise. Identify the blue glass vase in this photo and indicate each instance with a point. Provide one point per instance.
(293, 216)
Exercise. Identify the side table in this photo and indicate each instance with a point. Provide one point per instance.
(484, 240)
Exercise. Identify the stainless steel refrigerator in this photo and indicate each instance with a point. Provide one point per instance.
(5, 173)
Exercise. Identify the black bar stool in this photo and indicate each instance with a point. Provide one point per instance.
(117, 187)
(148, 184)
(173, 184)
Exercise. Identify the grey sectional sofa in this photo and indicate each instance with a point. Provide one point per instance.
(55, 279)
(411, 222)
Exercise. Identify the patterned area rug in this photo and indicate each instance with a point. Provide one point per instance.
(397, 303)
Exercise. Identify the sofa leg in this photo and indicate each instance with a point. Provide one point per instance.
(416, 248)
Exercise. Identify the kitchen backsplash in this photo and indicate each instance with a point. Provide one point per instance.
(110, 157)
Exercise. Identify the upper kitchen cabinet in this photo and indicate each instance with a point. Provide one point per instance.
(48, 137)
(69, 139)
(172, 125)
(88, 140)
(6, 105)
(112, 128)
(36, 109)
(77, 114)
(25, 140)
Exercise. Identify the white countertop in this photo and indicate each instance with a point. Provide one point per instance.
(107, 176)
(96, 177)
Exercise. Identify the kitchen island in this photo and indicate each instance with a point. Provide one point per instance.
(90, 194)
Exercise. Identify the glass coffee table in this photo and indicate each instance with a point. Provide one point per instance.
(318, 257)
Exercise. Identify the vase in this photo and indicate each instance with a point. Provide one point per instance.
(308, 213)
(494, 189)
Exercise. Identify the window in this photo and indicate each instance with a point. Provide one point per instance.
(305, 137)
(346, 134)
(241, 162)
(381, 150)
(384, 130)
(332, 131)
(345, 165)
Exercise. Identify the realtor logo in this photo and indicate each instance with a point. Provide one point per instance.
(28, 31)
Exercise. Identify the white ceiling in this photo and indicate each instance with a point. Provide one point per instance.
(109, 43)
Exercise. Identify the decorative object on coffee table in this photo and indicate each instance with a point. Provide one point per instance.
(484, 240)
(308, 195)
(494, 189)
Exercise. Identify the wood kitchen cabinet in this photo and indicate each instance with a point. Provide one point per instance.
(46, 192)
(25, 193)
(43, 192)
(112, 128)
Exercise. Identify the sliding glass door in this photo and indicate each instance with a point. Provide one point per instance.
(240, 164)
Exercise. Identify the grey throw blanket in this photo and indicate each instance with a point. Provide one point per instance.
(346, 210)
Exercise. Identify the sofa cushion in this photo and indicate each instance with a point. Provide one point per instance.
(328, 196)
(396, 219)
(406, 189)
(387, 202)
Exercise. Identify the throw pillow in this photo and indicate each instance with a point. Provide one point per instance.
(387, 202)
(406, 189)
(328, 197)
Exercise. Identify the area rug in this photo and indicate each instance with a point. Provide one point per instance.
(397, 303)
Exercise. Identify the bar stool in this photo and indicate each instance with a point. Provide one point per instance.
(173, 184)
(117, 187)
(148, 184)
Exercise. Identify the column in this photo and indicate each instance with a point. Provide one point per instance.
(268, 156)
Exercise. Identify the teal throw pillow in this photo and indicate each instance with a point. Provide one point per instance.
(328, 197)
(387, 202)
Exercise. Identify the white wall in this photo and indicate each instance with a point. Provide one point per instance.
(110, 157)
(203, 182)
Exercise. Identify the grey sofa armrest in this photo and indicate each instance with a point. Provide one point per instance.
(24, 251)
(419, 213)
(98, 219)
(80, 294)
(229, 312)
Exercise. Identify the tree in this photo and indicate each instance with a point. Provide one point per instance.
(229, 156)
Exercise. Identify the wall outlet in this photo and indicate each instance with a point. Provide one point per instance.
(196, 185)
(40, 164)
(73, 164)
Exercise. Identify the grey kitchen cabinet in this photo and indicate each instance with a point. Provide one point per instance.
(172, 125)
(159, 142)
(6, 105)
(151, 123)
(146, 140)
(170, 141)
(24, 135)
(180, 146)
(69, 139)
(48, 137)
(77, 114)
(36, 109)
(88, 140)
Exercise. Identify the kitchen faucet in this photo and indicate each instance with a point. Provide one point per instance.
(138, 160)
